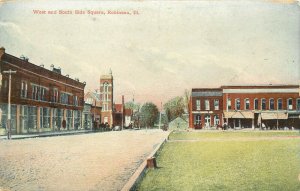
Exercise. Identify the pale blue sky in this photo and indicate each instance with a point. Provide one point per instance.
(168, 47)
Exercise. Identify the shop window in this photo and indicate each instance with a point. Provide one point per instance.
(298, 104)
(197, 120)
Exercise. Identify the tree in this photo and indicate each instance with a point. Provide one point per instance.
(132, 105)
(148, 114)
(186, 99)
(174, 108)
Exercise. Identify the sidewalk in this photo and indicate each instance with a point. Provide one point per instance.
(47, 134)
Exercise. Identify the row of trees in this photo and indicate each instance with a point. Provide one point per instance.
(148, 114)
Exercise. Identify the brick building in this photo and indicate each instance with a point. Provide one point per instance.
(107, 98)
(42, 100)
(250, 106)
(206, 105)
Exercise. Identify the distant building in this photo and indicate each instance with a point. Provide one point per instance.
(206, 106)
(248, 106)
(93, 109)
(128, 113)
(42, 100)
(106, 98)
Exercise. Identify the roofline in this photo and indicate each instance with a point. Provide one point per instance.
(41, 67)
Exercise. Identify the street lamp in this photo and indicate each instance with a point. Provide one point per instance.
(10, 72)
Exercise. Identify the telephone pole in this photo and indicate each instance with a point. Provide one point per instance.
(10, 72)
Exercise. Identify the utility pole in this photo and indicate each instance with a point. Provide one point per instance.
(10, 72)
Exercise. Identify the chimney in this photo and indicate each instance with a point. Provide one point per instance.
(2, 51)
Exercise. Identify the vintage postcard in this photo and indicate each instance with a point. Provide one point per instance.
(149, 95)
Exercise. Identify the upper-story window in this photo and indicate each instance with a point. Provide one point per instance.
(247, 104)
(207, 104)
(263, 104)
(105, 92)
(290, 104)
(198, 104)
(237, 104)
(105, 87)
(24, 89)
(271, 104)
(216, 104)
(279, 104)
(75, 100)
(255, 104)
(43, 92)
(35, 92)
(228, 103)
(64, 98)
(55, 95)
(298, 104)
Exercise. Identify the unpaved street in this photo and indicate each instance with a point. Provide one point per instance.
(100, 161)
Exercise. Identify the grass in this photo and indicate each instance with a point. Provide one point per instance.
(226, 165)
(229, 134)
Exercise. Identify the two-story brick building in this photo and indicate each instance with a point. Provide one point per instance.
(42, 99)
(206, 108)
(247, 106)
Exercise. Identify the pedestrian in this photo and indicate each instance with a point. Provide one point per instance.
(64, 124)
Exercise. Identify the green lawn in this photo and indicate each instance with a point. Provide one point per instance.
(229, 134)
(226, 165)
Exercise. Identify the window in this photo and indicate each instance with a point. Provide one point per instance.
(237, 104)
(247, 104)
(35, 92)
(69, 121)
(197, 120)
(298, 104)
(55, 95)
(43, 93)
(105, 87)
(290, 104)
(271, 104)
(105, 107)
(263, 104)
(198, 104)
(216, 104)
(64, 98)
(228, 104)
(216, 120)
(75, 99)
(44, 117)
(255, 104)
(24, 89)
(279, 104)
(207, 104)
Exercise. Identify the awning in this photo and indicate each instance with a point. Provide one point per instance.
(239, 114)
(274, 115)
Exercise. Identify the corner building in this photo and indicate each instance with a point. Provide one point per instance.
(41, 99)
(250, 106)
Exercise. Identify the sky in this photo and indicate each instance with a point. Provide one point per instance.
(169, 46)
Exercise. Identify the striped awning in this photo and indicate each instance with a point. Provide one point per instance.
(274, 115)
(239, 114)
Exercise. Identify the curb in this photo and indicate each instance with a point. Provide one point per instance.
(15, 137)
(141, 170)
